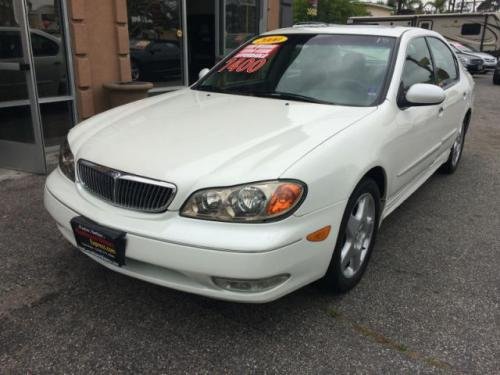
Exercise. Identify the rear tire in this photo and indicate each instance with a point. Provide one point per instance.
(356, 238)
(451, 164)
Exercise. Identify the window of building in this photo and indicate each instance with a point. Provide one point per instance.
(418, 65)
(155, 35)
(241, 21)
(471, 29)
(446, 65)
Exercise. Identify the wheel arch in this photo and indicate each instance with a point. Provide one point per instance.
(379, 175)
(467, 118)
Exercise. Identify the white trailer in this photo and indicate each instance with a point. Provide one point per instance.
(481, 31)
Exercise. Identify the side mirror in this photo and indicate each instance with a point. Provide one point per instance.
(203, 73)
(424, 94)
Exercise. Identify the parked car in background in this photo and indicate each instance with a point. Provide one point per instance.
(50, 66)
(274, 170)
(472, 63)
(490, 62)
(496, 74)
(156, 60)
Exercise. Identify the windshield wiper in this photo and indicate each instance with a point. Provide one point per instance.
(291, 96)
(209, 88)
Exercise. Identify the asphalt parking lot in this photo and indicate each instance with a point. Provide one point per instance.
(429, 301)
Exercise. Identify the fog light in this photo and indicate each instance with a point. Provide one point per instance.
(250, 286)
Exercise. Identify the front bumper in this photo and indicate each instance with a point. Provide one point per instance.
(475, 68)
(184, 254)
(490, 66)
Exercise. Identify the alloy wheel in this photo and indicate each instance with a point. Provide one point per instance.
(457, 148)
(358, 236)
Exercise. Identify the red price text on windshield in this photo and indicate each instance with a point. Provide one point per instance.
(250, 59)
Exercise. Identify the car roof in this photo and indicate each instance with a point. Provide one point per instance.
(379, 30)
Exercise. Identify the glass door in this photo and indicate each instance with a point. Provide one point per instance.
(36, 97)
(21, 142)
(51, 70)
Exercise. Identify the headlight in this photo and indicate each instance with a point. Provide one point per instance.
(67, 161)
(464, 59)
(256, 202)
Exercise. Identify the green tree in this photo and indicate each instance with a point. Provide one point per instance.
(438, 6)
(329, 11)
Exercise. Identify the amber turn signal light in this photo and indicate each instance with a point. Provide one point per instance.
(319, 235)
(284, 198)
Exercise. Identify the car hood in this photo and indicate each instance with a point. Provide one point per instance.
(480, 55)
(484, 55)
(196, 139)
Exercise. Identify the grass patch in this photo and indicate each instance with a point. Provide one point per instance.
(387, 342)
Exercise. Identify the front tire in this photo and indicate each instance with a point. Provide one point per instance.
(135, 71)
(356, 237)
(496, 77)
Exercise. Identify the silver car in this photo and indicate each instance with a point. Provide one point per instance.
(50, 66)
(489, 61)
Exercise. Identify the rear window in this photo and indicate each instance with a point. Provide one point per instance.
(10, 45)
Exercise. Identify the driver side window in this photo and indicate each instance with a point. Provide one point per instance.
(418, 66)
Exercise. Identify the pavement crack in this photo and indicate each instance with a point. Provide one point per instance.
(387, 342)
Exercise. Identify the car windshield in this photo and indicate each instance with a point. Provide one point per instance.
(320, 68)
(463, 48)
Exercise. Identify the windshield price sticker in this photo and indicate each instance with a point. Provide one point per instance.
(243, 65)
(258, 51)
(271, 39)
(250, 59)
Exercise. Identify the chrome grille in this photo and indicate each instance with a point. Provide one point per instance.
(123, 189)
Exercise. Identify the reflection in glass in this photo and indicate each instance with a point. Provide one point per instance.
(155, 41)
(16, 124)
(12, 82)
(57, 120)
(47, 42)
(242, 22)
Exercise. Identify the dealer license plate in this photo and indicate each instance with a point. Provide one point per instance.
(108, 244)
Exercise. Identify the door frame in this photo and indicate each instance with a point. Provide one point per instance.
(31, 157)
(25, 156)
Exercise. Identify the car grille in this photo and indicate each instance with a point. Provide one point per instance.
(125, 190)
(476, 61)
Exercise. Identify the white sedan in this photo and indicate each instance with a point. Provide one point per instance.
(274, 170)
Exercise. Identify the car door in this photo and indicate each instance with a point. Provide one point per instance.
(416, 140)
(448, 78)
(164, 59)
(12, 82)
(49, 65)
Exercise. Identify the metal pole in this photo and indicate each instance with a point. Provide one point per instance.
(69, 57)
(484, 32)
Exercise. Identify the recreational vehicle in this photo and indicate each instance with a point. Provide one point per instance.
(481, 31)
